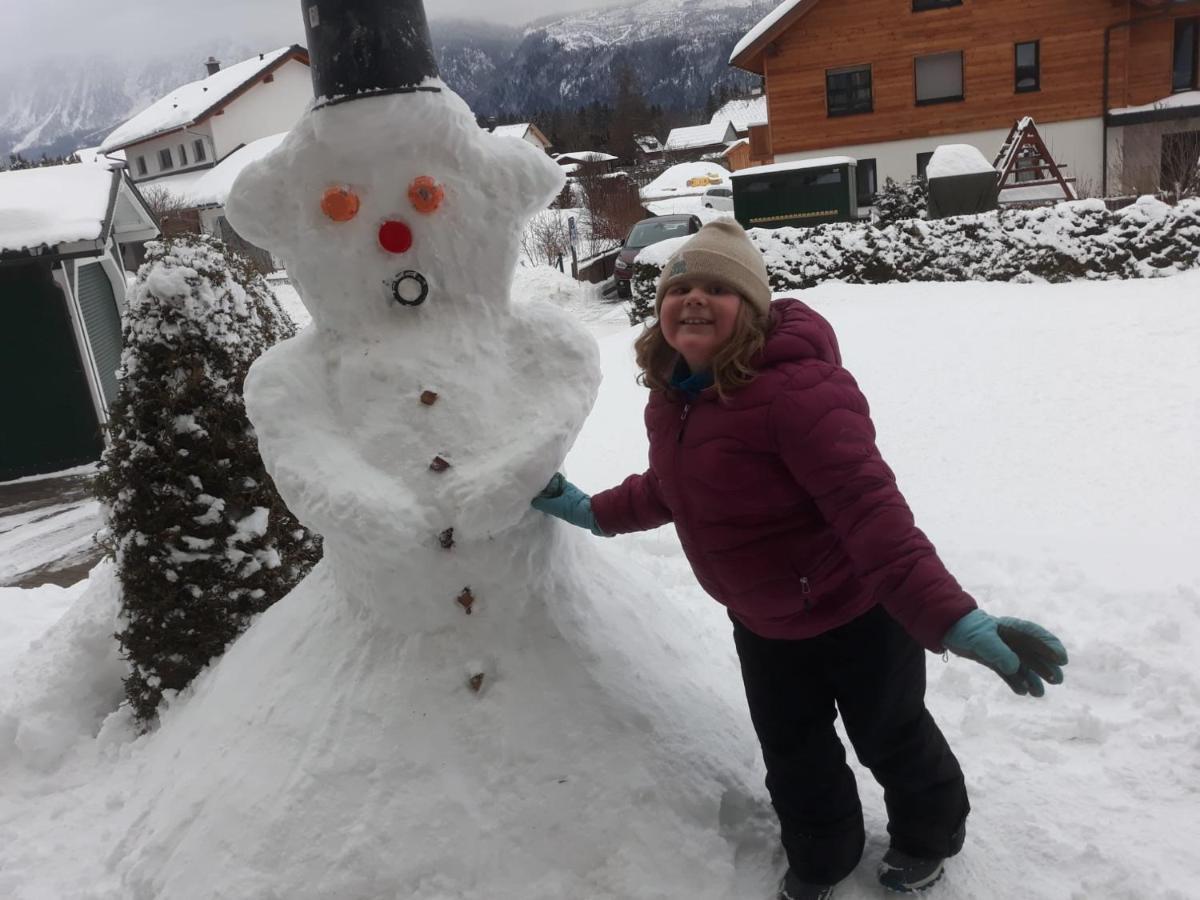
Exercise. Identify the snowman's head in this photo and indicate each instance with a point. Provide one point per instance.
(394, 210)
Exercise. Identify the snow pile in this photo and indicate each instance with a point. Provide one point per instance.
(51, 205)
(686, 178)
(68, 680)
(189, 102)
(1080, 239)
(949, 160)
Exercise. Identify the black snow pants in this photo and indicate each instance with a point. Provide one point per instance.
(874, 673)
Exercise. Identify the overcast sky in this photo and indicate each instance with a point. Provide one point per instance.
(31, 29)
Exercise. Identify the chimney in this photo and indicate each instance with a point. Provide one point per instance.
(212, 65)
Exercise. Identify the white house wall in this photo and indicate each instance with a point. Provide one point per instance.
(1077, 144)
(150, 150)
(265, 109)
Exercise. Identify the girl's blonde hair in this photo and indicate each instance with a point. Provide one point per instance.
(730, 366)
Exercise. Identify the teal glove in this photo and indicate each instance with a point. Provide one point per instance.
(1020, 652)
(563, 500)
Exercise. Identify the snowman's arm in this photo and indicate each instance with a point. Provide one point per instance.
(319, 473)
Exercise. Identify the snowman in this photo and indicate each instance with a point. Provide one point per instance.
(429, 714)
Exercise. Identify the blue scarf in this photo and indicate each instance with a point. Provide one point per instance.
(688, 383)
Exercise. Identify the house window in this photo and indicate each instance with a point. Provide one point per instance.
(848, 91)
(939, 78)
(922, 5)
(164, 159)
(1028, 69)
(141, 164)
(182, 155)
(198, 151)
(923, 163)
(1187, 51)
(867, 185)
(1180, 162)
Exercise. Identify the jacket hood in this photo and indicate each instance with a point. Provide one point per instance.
(797, 333)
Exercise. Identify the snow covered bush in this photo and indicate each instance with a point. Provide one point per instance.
(202, 541)
(1057, 243)
(896, 202)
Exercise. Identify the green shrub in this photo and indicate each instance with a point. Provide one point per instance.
(202, 541)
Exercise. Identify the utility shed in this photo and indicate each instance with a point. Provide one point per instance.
(62, 292)
(961, 182)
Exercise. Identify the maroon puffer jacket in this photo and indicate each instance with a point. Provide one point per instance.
(783, 504)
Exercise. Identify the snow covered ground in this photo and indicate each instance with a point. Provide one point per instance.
(1045, 436)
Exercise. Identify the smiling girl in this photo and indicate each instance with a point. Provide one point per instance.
(763, 455)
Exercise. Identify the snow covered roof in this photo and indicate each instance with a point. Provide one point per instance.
(215, 184)
(762, 32)
(517, 131)
(692, 136)
(191, 103)
(180, 187)
(648, 143)
(1170, 107)
(522, 130)
(949, 160)
(743, 112)
(93, 155)
(584, 156)
(674, 182)
(818, 163)
(51, 206)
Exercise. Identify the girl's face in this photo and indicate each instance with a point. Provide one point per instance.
(697, 319)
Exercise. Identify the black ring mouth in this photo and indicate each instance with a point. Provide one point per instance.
(410, 288)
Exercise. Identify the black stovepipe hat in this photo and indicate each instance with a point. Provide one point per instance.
(363, 48)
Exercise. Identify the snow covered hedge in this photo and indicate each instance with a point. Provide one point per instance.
(202, 541)
(1057, 243)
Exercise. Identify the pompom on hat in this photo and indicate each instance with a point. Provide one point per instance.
(720, 251)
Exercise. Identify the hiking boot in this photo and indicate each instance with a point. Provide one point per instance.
(792, 888)
(906, 874)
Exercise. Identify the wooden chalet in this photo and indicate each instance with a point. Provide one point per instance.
(1114, 85)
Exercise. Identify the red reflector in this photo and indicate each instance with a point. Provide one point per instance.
(395, 237)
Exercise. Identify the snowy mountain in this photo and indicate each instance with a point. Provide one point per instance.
(60, 105)
(678, 48)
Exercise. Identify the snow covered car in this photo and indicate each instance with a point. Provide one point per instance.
(719, 198)
(643, 234)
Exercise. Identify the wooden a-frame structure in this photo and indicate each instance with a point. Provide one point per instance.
(1024, 153)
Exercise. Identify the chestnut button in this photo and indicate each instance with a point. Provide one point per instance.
(395, 237)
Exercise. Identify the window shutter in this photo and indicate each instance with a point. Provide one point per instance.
(102, 323)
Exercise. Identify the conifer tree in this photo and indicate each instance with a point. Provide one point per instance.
(202, 541)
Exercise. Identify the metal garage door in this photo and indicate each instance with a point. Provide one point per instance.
(47, 421)
(102, 322)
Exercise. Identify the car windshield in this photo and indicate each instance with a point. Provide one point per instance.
(651, 232)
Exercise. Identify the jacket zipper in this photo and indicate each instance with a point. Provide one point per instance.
(806, 592)
(687, 408)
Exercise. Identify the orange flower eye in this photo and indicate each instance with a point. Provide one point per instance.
(340, 204)
(425, 194)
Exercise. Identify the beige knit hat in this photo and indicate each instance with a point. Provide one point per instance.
(722, 251)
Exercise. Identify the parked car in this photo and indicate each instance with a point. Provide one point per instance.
(719, 198)
(643, 234)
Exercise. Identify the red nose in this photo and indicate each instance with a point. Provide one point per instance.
(395, 237)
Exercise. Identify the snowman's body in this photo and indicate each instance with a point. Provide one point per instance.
(422, 745)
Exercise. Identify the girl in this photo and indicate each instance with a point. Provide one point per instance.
(763, 454)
